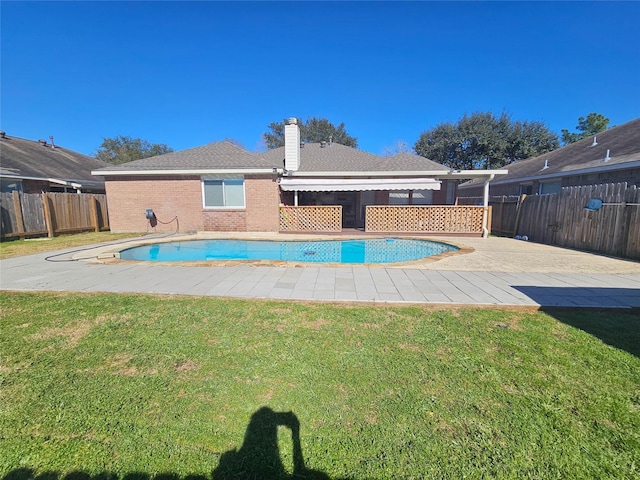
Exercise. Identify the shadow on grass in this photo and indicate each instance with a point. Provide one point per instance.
(618, 328)
(257, 458)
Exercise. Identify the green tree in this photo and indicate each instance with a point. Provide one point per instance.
(484, 140)
(123, 149)
(312, 130)
(593, 124)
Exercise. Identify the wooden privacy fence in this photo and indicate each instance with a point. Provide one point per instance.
(504, 212)
(562, 218)
(30, 214)
(311, 219)
(434, 219)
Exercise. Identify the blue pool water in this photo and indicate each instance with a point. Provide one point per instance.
(378, 250)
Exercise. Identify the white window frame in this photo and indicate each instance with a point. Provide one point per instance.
(223, 179)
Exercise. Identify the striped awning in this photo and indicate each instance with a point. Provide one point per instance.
(301, 184)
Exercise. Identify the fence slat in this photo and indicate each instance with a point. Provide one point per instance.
(52, 213)
(18, 212)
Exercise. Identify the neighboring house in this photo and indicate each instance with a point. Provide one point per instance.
(31, 166)
(222, 187)
(611, 156)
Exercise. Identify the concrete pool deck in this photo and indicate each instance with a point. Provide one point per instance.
(493, 271)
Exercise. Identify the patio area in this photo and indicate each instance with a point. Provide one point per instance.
(494, 272)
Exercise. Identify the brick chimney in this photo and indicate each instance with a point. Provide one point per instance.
(291, 145)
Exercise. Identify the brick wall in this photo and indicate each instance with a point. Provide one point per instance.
(440, 196)
(381, 197)
(169, 197)
(263, 201)
(223, 220)
(181, 197)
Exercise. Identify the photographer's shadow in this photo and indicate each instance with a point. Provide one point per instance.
(259, 456)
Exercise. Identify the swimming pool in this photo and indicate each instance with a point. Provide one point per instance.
(373, 250)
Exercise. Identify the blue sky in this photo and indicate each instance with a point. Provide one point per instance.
(190, 73)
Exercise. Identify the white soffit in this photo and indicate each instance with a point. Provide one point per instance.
(356, 184)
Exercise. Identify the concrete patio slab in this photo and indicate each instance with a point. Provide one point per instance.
(497, 271)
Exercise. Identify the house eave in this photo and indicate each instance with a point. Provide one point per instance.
(196, 171)
(67, 183)
(568, 173)
(440, 174)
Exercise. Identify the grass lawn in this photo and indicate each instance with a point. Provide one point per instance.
(133, 387)
(14, 248)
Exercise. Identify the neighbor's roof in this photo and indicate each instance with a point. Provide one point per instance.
(37, 160)
(582, 157)
(214, 156)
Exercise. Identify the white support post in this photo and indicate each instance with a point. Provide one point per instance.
(485, 204)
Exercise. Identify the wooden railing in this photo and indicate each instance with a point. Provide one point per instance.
(311, 219)
(440, 219)
(34, 214)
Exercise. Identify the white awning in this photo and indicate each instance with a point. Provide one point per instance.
(290, 184)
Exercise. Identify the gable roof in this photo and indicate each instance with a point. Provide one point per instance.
(207, 158)
(622, 142)
(37, 160)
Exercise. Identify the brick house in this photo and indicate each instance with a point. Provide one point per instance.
(611, 156)
(222, 187)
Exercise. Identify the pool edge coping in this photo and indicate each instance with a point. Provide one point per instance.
(111, 254)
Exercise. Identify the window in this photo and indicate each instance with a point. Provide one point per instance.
(422, 197)
(550, 187)
(526, 189)
(8, 186)
(415, 197)
(399, 198)
(223, 193)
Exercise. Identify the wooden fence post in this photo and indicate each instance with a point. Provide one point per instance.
(94, 213)
(48, 218)
(519, 209)
(17, 206)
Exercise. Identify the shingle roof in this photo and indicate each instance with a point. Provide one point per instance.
(334, 157)
(623, 143)
(340, 158)
(217, 155)
(313, 158)
(34, 159)
(409, 161)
